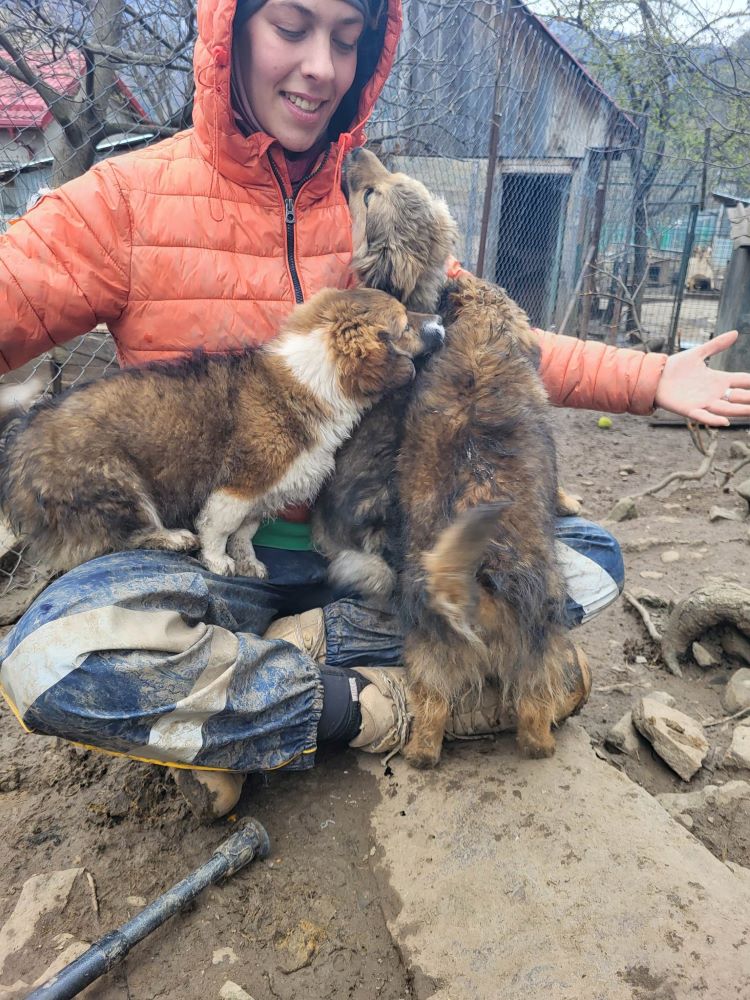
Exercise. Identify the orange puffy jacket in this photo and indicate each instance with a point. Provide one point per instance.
(193, 242)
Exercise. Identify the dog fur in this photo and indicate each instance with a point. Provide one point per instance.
(463, 497)
(147, 457)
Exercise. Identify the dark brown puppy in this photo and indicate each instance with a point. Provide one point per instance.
(481, 590)
(402, 237)
(140, 458)
(494, 448)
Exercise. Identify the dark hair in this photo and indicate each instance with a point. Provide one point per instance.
(371, 10)
(368, 53)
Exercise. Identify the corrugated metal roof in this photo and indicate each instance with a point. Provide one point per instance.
(22, 107)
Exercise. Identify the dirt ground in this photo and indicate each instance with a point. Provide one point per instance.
(309, 920)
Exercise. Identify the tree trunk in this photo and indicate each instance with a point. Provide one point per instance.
(640, 263)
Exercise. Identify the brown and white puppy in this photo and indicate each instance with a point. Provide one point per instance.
(462, 498)
(140, 458)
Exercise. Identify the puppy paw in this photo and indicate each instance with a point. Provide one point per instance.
(420, 755)
(221, 565)
(251, 567)
(181, 541)
(535, 748)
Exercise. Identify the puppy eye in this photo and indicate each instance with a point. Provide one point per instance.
(366, 195)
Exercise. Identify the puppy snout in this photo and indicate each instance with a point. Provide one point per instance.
(432, 333)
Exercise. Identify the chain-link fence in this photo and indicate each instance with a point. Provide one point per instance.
(539, 164)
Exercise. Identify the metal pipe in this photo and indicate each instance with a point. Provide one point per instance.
(234, 853)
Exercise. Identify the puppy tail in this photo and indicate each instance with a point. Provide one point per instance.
(451, 568)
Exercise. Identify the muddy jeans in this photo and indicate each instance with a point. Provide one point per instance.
(147, 654)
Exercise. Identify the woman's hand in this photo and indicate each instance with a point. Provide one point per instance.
(699, 393)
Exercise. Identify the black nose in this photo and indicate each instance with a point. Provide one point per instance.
(432, 332)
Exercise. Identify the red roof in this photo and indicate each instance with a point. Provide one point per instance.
(21, 106)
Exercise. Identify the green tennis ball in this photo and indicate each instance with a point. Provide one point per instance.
(604, 422)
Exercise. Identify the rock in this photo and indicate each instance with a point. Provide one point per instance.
(624, 510)
(744, 490)
(708, 797)
(650, 598)
(703, 656)
(137, 902)
(686, 820)
(678, 739)
(623, 736)
(738, 450)
(738, 754)
(231, 991)
(629, 470)
(670, 556)
(651, 574)
(641, 659)
(221, 955)
(736, 695)
(734, 643)
(724, 514)
(50, 906)
(740, 871)
(663, 697)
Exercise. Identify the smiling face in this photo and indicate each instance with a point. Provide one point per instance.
(298, 59)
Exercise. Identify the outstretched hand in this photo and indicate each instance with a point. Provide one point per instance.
(692, 390)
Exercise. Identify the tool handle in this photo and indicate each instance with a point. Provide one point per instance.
(250, 841)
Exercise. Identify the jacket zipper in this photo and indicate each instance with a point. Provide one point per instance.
(290, 218)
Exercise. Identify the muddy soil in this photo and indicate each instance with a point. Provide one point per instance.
(308, 921)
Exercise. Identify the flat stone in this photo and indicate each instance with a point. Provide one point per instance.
(231, 991)
(55, 909)
(557, 879)
(624, 510)
(724, 514)
(738, 754)
(222, 955)
(736, 695)
(703, 656)
(651, 574)
(664, 697)
(623, 736)
(670, 556)
(708, 797)
(678, 739)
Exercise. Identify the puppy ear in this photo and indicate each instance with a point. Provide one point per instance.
(401, 271)
(401, 371)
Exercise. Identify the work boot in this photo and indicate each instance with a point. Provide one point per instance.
(210, 794)
(306, 631)
(385, 713)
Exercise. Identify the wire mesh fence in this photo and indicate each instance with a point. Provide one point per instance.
(485, 104)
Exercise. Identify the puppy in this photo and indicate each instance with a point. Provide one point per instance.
(400, 246)
(146, 457)
(462, 500)
(402, 237)
(482, 594)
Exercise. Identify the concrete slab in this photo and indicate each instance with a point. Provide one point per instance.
(508, 879)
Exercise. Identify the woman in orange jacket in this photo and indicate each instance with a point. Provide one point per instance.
(207, 240)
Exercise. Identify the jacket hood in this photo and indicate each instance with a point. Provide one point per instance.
(222, 143)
